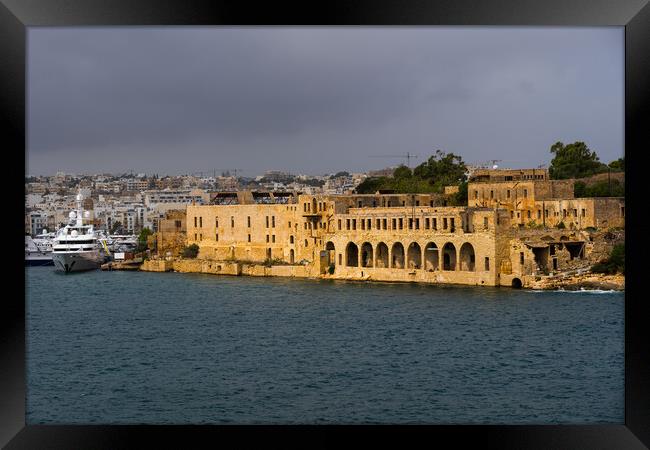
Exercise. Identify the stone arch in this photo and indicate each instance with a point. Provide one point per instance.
(431, 257)
(449, 257)
(397, 253)
(516, 283)
(366, 255)
(331, 252)
(467, 257)
(352, 255)
(414, 256)
(382, 255)
(292, 256)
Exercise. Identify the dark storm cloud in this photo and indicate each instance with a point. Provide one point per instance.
(316, 99)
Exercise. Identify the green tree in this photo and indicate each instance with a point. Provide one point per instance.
(117, 226)
(142, 239)
(618, 165)
(190, 251)
(574, 161)
(372, 184)
(460, 197)
(603, 188)
(402, 172)
(442, 169)
(614, 264)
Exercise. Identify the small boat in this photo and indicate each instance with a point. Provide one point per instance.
(36, 255)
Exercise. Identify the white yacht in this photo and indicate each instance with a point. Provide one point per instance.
(76, 246)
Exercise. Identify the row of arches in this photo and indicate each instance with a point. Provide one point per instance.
(413, 257)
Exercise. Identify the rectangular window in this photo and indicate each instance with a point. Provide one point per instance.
(273, 222)
(217, 237)
(267, 238)
(195, 237)
(521, 258)
(249, 238)
(546, 213)
(200, 222)
(583, 212)
(452, 224)
(444, 223)
(491, 195)
(378, 223)
(564, 213)
(273, 238)
(426, 223)
(194, 221)
(575, 212)
(347, 224)
(216, 222)
(401, 223)
(394, 224)
(267, 221)
(435, 223)
(475, 195)
(306, 243)
(177, 223)
(354, 224)
(340, 259)
(359, 203)
(339, 224)
(232, 222)
(525, 193)
(385, 224)
(369, 224)
(417, 203)
(417, 224)
(528, 212)
(508, 193)
(622, 211)
(363, 223)
(487, 263)
(291, 239)
(485, 222)
(248, 220)
(410, 223)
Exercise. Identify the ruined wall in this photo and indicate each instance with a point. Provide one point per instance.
(519, 198)
(581, 213)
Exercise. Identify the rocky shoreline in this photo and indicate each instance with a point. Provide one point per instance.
(585, 281)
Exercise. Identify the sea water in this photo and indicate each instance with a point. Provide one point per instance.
(171, 348)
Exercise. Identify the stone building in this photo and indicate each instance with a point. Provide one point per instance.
(387, 237)
(508, 233)
(171, 234)
(543, 202)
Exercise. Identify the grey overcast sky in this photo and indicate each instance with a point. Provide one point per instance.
(316, 100)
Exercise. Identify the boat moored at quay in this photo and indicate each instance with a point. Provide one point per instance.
(77, 247)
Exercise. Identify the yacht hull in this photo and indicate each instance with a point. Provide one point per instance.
(77, 261)
(38, 261)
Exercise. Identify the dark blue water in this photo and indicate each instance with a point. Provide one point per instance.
(124, 347)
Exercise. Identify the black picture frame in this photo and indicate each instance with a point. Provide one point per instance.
(634, 15)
